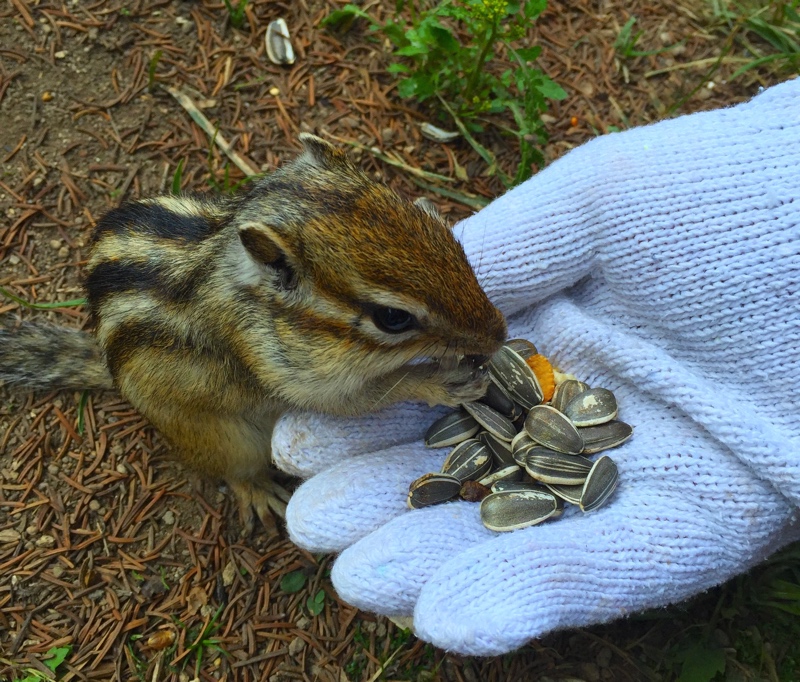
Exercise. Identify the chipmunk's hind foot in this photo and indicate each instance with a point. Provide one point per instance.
(265, 500)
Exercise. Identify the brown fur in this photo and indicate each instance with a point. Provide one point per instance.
(215, 315)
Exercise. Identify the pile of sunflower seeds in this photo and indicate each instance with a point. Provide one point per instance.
(520, 457)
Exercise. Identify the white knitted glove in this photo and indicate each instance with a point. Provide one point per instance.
(662, 263)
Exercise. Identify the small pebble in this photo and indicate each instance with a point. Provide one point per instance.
(121, 468)
(60, 54)
(63, 252)
(55, 243)
(274, 91)
(228, 574)
(53, 469)
(45, 541)
(168, 517)
(94, 505)
(296, 646)
(302, 623)
(58, 571)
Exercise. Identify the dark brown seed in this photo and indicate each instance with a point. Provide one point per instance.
(473, 491)
(468, 460)
(512, 510)
(491, 420)
(451, 429)
(605, 436)
(432, 489)
(592, 407)
(600, 484)
(551, 428)
(548, 466)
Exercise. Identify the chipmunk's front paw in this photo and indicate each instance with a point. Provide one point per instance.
(462, 384)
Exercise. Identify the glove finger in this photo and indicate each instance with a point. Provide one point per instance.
(350, 500)
(304, 444)
(495, 596)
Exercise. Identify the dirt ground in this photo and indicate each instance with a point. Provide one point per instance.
(104, 543)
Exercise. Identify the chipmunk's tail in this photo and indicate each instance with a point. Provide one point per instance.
(47, 357)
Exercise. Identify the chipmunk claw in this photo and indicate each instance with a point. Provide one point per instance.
(265, 500)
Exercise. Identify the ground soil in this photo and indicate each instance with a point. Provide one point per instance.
(104, 542)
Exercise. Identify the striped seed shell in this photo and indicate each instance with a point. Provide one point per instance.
(500, 449)
(551, 428)
(468, 460)
(591, 408)
(437, 134)
(522, 347)
(278, 43)
(511, 510)
(498, 399)
(502, 486)
(600, 483)
(566, 391)
(568, 493)
(557, 468)
(432, 489)
(605, 436)
(512, 373)
(491, 420)
(451, 429)
(507, 473)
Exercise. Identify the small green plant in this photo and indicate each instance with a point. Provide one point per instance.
(42, 306)
(202, 640)
(626, 41)
(236, 14)
(775, 25)
(293, 582)
(57, 655)
(316, 603)
(151, 70)
(433, 62)
(177, 177)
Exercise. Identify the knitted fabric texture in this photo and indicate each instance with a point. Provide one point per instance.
(662, 263)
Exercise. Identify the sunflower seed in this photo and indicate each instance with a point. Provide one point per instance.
(451, 429)
(491, 420)
(468, 460)
(566, 391)
(508, 473)
(599, 484)
(569, 493)
(500, 449)
(503, 486)
(278, 43)
(549, 466)
(432, 489)
(498, 399)
(512, 373)
(591, 408)
(522, 347)
(605, 436)
(549, 427)
(512, 510)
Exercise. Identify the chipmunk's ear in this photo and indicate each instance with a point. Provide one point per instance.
(267, 248)
(320, 153)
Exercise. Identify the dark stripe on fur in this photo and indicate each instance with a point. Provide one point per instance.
(114, 277)
(156, 220)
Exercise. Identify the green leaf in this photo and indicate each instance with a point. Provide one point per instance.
(347, 13)
(701, 664)
(530, 54)
(176, 178)
(444, 38)
(58, 655)
(412, 50)
(316, 604)
(551, 89)
(293, 582)
(398, 68)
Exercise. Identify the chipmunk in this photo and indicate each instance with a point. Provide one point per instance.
(316, 289)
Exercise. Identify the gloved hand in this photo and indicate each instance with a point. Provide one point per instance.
(662, 263)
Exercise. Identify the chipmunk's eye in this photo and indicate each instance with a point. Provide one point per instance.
(393, 320)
